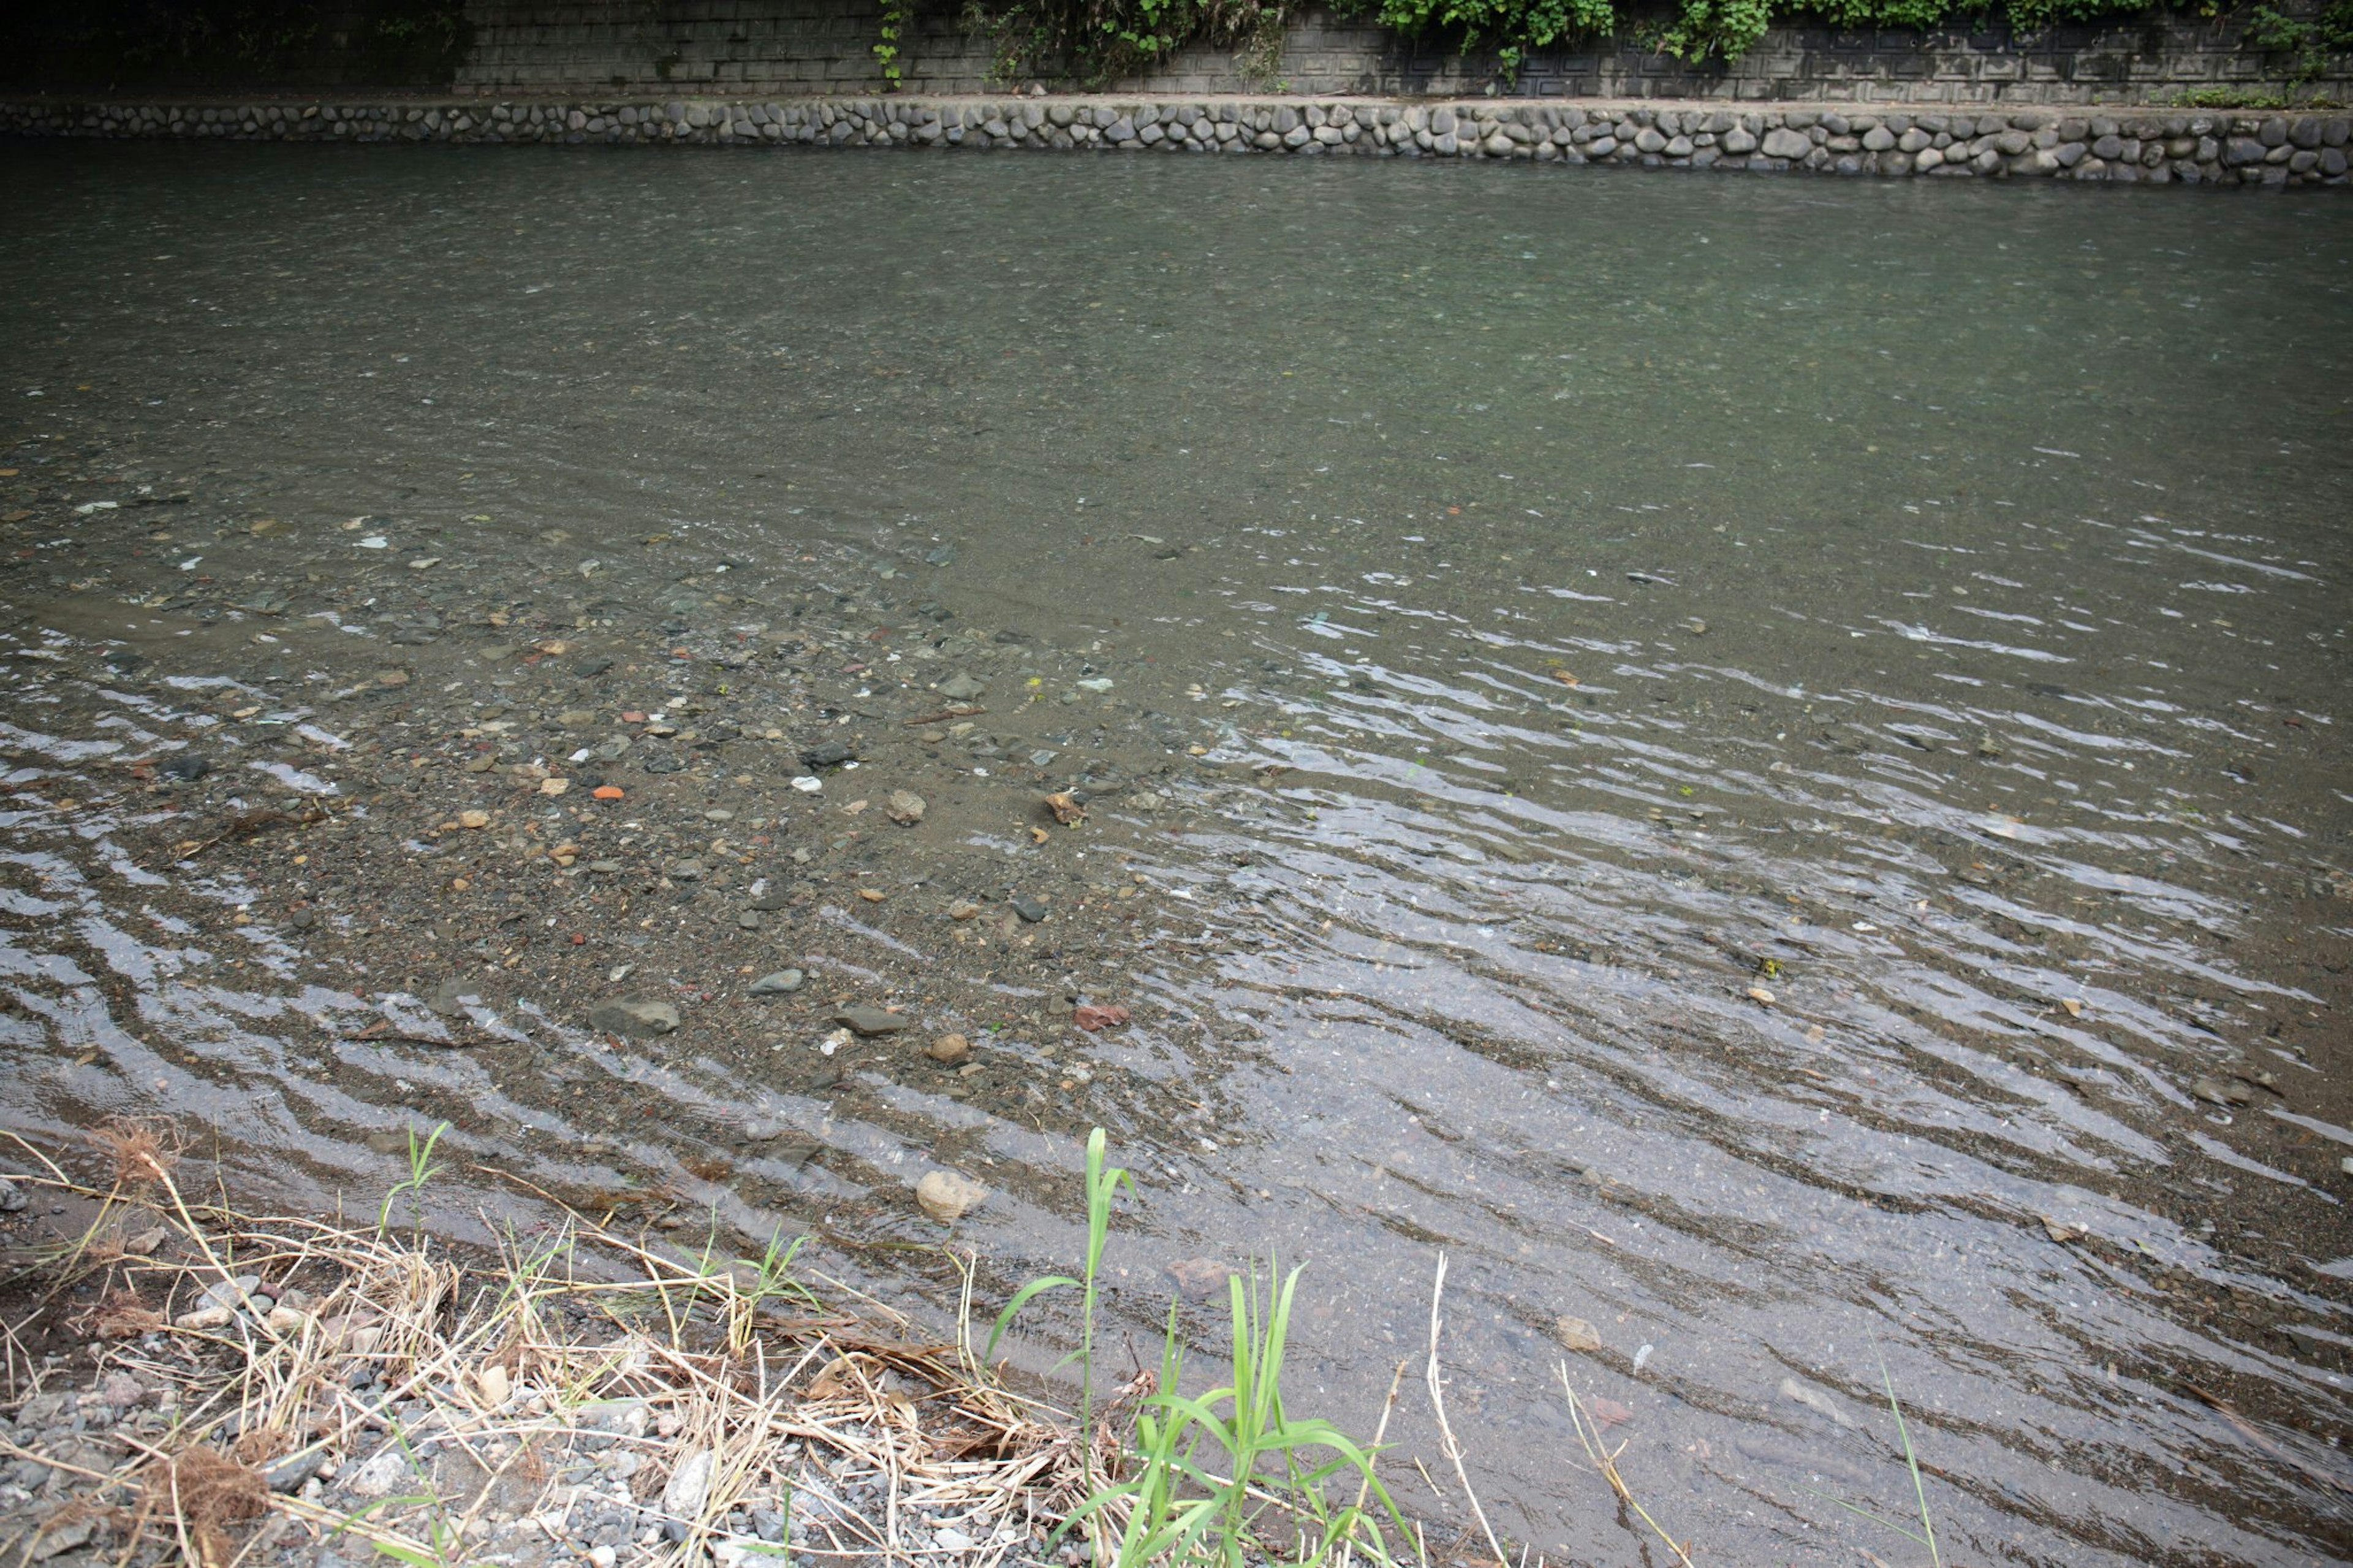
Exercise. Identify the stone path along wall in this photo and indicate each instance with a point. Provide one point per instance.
(2147, 147)
(791, 47)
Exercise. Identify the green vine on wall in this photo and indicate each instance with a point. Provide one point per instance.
(898, 15)
(1095, 42)
(2308, 42)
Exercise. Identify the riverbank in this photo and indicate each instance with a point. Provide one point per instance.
(194, 1380)
(2152, 146)
(188, 1382)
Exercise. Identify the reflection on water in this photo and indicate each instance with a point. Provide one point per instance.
(1758, 762)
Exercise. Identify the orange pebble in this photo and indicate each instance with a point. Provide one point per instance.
(607, 792)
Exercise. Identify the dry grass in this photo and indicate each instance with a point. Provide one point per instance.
(482, 1378)
(143, 1153)
(390, 1391)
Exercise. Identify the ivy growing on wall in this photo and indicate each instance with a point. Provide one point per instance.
(2309, 43)
(1093, 42)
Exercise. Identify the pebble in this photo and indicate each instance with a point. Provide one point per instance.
(1576, 1334)
(57, 1538)
(2213, 1092)
(288, 1474)
(864, 1020)
(1029, 910)
(961, 687)
(905, 807)
(1815, 1400)
(949, 1050)
(227, 1294)
(12, 1196)
(947, 1195)
(386, 1470)
(635, 1020)
(689, 1487)
(782, 982)
(1200, 1278)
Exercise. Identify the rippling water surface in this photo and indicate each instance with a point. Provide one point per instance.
(1771, 774)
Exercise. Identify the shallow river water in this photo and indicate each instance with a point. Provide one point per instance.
(1757, 761)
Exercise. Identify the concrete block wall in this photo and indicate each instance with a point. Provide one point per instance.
(526, 46)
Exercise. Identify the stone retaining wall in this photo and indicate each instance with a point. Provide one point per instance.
(2147, 148)
(772, 48)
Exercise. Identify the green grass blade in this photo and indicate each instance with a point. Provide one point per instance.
(1022, 1297)
(1919, 1489)
(1880, 1519)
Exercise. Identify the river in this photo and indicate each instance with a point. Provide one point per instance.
(1755, 760)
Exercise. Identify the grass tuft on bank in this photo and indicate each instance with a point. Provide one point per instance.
(301, 1381)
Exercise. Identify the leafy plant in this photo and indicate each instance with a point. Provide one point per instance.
(771, 1278)
(422, 1168)
(1102, 1183)
(1723, 29)
(1203, 1471)
(1513, 27)
(1095, 42)
(897, 16)
(1207, 1468)
(2309, 42)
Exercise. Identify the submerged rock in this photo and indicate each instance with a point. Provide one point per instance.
(865, 1020)
(635, 1020)
(947, 1195)
(1576, 1334)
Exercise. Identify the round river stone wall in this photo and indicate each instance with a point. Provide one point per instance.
(2150, 146)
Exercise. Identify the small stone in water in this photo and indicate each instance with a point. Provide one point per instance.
(1029, 910)
(1576, 1334)
(637, 1020)
(945, 1195)
(1200, 1278)
(782, 982)
(905, 807)
(2214, 1092)
(949, 1050)
(868, 1020)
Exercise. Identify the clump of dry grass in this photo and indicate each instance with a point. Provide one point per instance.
(143, 1153)
(493, 1370)
(203, 1492)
